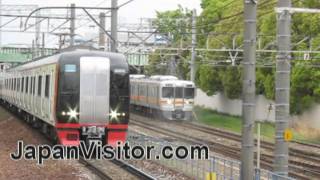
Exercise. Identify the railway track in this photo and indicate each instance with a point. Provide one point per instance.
(95, 166)
(298, 169)
(310, 156)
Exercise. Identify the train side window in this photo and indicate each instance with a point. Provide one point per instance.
(34, 86)
(47, 86)
(22, 84)
(31, 85)
(18, 84)
(15, 84)
(27, 85)
(39, 85)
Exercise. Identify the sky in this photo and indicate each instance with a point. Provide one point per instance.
(136, 9)
(131, 13)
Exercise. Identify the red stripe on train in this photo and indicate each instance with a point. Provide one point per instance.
(77, 126)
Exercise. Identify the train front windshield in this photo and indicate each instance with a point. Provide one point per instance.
(167, 92)
(189, 93)
(178, 92)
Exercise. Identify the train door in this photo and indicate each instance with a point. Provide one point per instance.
(94, 90)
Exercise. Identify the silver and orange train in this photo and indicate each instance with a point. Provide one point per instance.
(162, 96)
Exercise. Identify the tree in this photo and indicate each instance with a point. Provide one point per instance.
(219, 24)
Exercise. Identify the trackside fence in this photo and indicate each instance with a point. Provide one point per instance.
(214, 168)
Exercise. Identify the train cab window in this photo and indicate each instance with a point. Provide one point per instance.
(70, 73)
(47, 86)
(167, 92)
(189, 93)
(39, 85)
(178, 92)
(22, 84)
(27, 85)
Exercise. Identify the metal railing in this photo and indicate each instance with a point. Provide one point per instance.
(216, 166)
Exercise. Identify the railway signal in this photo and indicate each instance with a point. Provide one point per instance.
(288, 135)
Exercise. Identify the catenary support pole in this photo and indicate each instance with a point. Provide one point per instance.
(249, 78)
(193, 46)
(258, 144)
(114, 25)
(102, 36)
(43, 44)
(1, 24)
(282, 88)
(37, 34)
(72, 24)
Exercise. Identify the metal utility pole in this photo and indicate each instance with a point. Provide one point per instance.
(38, 29)
(114, 25)
(32, 50)
(43, 44)
(0, 24)
(193, 44)
(72, 24)
(102, 36)
(249, 90)
(283, 70)
(172, 66)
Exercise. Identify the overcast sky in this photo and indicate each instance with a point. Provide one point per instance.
(134, 10)
(130, 13)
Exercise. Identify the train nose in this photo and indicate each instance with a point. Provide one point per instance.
(94, 89)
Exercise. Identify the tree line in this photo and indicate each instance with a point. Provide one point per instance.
(220, 26)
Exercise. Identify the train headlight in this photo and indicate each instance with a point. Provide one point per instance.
(72, 113)
(114, 114)
(169, 101)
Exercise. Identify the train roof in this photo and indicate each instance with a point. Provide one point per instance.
(162, 80)
(137, 76)
(66, 54)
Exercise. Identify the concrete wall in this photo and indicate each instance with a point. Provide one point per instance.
(222, 104)
(310, 118)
